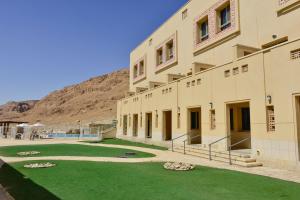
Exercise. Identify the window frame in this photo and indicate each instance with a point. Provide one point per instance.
(159, 56)
(169, 50)
(135, 71)
(225, 8)
(141, 67)
(200, 36)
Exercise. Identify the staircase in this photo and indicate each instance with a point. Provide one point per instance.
(239, 158)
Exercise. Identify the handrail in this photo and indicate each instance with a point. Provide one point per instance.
(219, 140)
(176, 139)
(189, 138)
(229, 148)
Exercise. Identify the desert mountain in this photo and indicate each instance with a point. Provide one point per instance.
(89, 101)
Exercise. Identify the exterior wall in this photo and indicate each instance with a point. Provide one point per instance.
(252, 32)
(270, 72)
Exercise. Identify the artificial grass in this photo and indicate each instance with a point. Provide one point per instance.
(71, 150)
(126, 143)
(148, 181)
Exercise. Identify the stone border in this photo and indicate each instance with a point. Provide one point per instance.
(39, 165)
(179, 166)
(28, 153)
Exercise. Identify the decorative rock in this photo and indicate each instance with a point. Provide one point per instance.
(178, 166)
(28, 153)
(40, 165)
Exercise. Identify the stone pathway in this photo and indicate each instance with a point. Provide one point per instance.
(161, 156)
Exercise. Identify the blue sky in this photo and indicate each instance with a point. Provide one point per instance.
(48, 44)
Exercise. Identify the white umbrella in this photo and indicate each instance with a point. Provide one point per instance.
(23, 125)
(38, 125)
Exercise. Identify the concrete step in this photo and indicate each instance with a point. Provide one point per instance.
(220, 156)
(237, 154)
(214, 152)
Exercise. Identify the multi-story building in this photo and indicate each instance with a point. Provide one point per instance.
(223, 71)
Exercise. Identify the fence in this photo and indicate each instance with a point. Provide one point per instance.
(72, 136)
(51, 133)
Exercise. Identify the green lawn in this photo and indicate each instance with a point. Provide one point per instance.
(71, 150)
(127, 143)
(147, 181)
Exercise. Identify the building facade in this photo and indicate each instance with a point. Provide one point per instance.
(220, 69)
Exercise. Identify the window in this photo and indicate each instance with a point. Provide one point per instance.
(193, 83)
(170, 50)
(227, 73)
(165, 53)
(159, 57)
(202, 32)
(224, 17)
(135, 71)
(212, 119)
(198, 81)
(141, 120)
(156, 121)
(194, 120)
(141, 72)
(295, 54)
(245, 68)
(184, 14)
(188, 84)
(235, 71)
(270, 119)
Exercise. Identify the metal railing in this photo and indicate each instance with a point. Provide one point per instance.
(233, 145)
(176, 139)
(229, 147)
(189, 139)
(217, 141)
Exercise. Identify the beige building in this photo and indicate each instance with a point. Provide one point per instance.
(220, 72)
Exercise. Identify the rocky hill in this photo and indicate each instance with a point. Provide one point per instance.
(14, 109)
(89, 101)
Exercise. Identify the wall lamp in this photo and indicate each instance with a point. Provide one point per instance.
(269, 99)
(211, 105)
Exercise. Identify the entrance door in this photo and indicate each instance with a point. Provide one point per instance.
(298, 124)
(239, 125)
(194, 125)
(148, 125)
(125, 125)
(135, 125)
(167, 125)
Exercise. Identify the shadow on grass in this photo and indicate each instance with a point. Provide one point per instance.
(20, 187)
